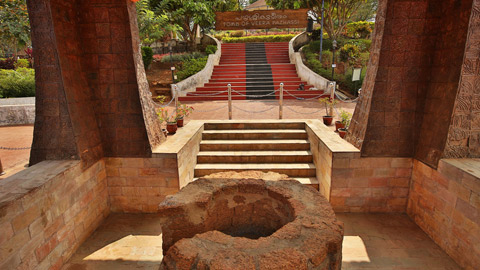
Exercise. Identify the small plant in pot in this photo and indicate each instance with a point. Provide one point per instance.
(171, 120)
(329, 104)
(346, 118)
(183, 111)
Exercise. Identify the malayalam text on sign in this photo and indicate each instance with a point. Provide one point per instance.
(261, 19)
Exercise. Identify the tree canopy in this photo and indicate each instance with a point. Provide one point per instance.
(152, 27)
(14, 25)
(189, 14)
(337, 12)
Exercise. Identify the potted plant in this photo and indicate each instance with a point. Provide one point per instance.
(329, 104)
(171, 120)
(183, 111)
(346, 118)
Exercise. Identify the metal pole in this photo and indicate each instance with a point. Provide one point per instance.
(332, 96)
(321, 33)
(229, 101)
(280, 108)
(333, 61)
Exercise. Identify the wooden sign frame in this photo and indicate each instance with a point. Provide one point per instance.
(261, 19)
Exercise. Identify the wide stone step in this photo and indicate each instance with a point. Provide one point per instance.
(255, 157)
(258, 125)
(254, 145)
(293, 170)
(252, 134)
(309, 181)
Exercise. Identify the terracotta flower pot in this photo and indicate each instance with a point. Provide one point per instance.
(172, 128)
(338, 125)
(327, 120)
(180, 122)
(342, 132)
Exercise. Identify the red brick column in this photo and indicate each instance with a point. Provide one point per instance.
(92, 95)
(412, 81)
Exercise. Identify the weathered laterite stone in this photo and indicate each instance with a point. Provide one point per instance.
(249, 224)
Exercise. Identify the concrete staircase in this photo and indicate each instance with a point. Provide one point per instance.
(277, 147)
(254, 70)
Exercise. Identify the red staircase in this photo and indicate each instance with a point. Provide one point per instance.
(255, 71)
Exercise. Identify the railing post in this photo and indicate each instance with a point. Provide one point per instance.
(175, 91)
(1, 168)
(332, 96)
(280, 108)
(229, 101)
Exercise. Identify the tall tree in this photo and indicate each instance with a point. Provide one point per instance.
(152, 27)
(14, 25)
(337, 12)
(366, 11)
(189, 14)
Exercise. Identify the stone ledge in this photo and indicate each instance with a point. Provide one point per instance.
(468, 165)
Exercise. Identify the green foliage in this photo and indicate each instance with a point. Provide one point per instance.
(180, 57)
(238, 33)
(346, 118)
(349, 53)
(14, 25)
(22, 63)
(316, 34)
(360, 29)
(362, 44)
(337, 12)
(366, 11)
(189, 14)
(7, 63)
(271, 38)
(152, 27)
(190, 67)
(210, 49)
(147, 56)
(17, 83)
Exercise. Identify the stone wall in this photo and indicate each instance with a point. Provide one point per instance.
(353, 183)
(48, 210)
(138, 185)
(445, 203)
(13, 115)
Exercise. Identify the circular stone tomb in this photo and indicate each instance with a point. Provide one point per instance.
(249, 224)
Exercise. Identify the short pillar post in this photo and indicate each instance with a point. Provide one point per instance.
(175, 91)
(280, 103)
(229, 101)
(1, 168)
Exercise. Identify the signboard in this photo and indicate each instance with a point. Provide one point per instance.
(261, 19)
(356, 74)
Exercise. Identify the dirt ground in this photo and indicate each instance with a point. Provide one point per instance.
(159, 77)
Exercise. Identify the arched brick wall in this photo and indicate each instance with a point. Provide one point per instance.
(92, 94)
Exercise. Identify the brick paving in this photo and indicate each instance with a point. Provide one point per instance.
(371, 241)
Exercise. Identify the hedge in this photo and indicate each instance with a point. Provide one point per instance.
(180, 57)
(147, 56)
(190, 67)
(17, 83)
(247, 39)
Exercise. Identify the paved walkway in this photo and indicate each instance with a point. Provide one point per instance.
(14, 161)
(21, 136)
(372, 241)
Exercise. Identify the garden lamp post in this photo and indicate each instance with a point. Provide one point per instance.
(172, 67)
(321, 33)
(334, 46)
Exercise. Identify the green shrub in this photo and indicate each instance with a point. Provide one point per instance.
(361, 29)
(17, 83)
(190, 67)
(147, 56)
(210, 49)
(316, 34)
(349, 53)
(363, 44)
(180, 57)
(271, 38)
(238, 33)
(22, 63)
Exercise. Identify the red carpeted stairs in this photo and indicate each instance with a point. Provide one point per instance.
(255, 71)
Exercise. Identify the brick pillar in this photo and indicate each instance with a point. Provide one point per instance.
(408, 95)
(92, 94)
